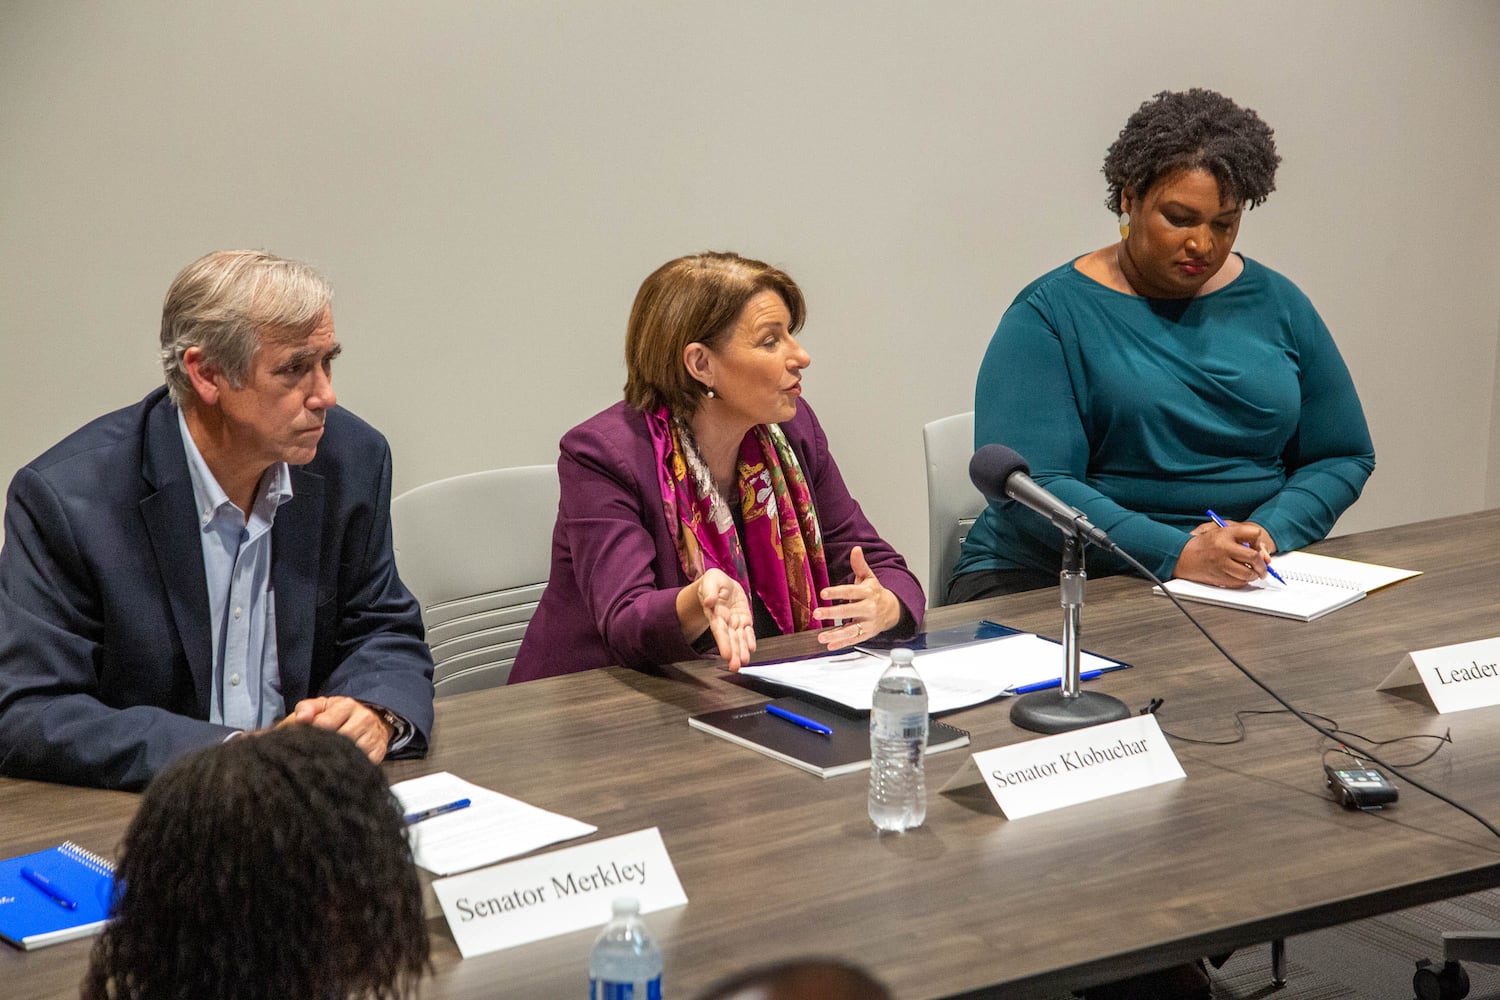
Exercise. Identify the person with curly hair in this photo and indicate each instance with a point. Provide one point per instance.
(826, 979)
(1163, 376)
(273, 865)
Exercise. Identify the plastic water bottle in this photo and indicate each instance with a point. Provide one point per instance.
(898, 744)
(625, 963)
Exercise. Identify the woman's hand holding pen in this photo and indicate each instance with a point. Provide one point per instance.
(1228, 556)
(1264, 541)
(868, 609)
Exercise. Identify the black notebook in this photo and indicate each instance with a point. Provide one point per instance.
(54, 895)
(846, 750)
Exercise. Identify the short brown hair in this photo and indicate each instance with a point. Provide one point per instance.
(693, 299)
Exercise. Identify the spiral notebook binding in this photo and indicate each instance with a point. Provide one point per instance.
(93, 862)
(1322, 581)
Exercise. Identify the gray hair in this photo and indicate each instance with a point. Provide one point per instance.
(222, 301)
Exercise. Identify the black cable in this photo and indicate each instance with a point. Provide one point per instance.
(1239, 727)
(1346, 736)
(1447, 737)
(1358, 760)
(1353, 752)
(1326, 733)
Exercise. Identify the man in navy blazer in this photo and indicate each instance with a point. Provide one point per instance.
(214, 559)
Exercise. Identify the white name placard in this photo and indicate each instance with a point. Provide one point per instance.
(1063, 770)
(1464, 675)
(558, 892)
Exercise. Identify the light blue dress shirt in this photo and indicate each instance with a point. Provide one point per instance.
(246, 689)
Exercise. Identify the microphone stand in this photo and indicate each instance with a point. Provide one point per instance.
(1068, 707)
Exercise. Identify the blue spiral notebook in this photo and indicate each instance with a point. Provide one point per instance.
(54, 895)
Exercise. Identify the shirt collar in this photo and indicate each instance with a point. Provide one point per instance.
(275, 487)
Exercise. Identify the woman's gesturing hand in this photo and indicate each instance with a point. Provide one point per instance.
(868, 608)
(716, 600)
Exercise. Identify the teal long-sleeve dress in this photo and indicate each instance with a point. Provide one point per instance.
(1144, 413)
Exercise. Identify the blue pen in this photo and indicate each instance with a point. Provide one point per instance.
(800, 720)
(1087, 675)
(1220, 522)
(446, 807)
(43, 883)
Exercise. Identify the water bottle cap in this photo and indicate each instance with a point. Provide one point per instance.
(901, 656)
(627, 906)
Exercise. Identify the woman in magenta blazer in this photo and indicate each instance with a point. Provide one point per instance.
(705, 510)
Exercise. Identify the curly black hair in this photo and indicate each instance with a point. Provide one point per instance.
(273, 865)
(1191, 129)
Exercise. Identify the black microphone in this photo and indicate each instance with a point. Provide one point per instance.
(999, 473)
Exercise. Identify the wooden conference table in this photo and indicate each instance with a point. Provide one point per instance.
(778, 863)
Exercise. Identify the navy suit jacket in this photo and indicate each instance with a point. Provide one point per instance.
(105, 658)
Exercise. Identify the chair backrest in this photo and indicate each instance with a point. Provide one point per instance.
(476, 550)
(952, 501)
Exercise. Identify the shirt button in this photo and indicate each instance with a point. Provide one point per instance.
(207, 518)
(234, 680)
(236, 614)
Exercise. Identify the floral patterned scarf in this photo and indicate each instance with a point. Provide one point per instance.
(779, 556)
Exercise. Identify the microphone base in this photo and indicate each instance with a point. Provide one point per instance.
(1050, 712)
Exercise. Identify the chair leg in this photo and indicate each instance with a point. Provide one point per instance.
(1278, 963)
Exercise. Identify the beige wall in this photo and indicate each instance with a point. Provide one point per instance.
(488, 182)
(1492, 494)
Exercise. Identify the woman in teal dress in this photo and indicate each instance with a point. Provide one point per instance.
(1163, 376)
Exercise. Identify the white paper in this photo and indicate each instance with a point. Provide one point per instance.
(492, 828)
(1302, 600)
(956, 676)
(1315, 586)
(1079, 766)
(557, 892)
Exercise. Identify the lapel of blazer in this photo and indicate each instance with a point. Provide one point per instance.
(171, 521)
(296, 541)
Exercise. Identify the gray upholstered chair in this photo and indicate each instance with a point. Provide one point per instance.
(475, 550)
(952, 501)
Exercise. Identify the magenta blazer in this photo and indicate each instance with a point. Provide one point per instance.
(612, 591)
